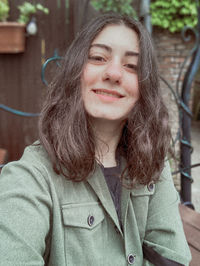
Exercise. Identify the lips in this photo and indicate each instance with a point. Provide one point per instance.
(110, 93)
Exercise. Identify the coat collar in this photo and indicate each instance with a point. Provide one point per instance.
(99, 185)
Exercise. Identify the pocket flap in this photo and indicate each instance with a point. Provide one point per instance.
(86, 215)
(142, 190)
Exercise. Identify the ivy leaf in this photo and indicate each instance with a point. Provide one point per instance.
(174, 14)
(119, 6)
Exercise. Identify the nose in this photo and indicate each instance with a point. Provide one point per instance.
(113, 72)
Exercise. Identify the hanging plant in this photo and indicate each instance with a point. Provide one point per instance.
(13, 33)
(174, 15)
(27, 9)
(4, 10)
(123, 7)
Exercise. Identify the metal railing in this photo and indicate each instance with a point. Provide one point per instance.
(182, 101)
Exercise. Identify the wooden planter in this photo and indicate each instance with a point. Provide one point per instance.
(3, 156)
(12, 37)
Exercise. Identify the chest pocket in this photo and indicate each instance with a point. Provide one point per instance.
(84, 229)
(85, 215)
(141, 190)
(140, 198)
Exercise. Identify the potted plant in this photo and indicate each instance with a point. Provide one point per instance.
(12, 34)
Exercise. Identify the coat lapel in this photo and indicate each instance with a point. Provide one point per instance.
(98, 184)
(125, 194)
(125, 197)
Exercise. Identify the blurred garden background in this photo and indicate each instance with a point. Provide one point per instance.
(48, 29)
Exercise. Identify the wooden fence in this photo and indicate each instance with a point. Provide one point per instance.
(21, 86)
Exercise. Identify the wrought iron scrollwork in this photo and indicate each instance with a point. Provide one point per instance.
(18, 112)
(185, 114)
(186, 117)
(56, 58)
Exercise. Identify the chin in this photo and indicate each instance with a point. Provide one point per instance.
(110, 118)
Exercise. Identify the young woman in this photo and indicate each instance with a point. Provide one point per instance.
(96, 189)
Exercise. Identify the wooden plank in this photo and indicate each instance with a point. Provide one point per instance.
(190, 216)
(195, 257)
(191, 225)
(192, 235)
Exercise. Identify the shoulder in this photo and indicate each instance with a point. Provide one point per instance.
(35, 154)
(36, 158)
(34, 168)
(166, 172)
(165, 185)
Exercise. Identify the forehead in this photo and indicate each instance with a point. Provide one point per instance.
(118, 36)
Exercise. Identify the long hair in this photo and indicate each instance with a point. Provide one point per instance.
(64, 127)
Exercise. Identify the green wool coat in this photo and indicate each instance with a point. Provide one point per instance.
(48, 220)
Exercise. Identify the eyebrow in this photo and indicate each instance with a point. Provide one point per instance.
(109, 49)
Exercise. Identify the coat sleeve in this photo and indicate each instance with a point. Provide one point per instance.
(164, 230)
(25, 205)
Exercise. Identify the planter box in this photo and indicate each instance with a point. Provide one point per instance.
(3, 156)
(12, 37)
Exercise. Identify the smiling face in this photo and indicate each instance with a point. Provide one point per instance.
(110, 81)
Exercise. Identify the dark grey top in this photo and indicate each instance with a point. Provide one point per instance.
(112, 177)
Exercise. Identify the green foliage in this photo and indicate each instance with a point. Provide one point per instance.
(4, 10)
(27, 9)
(119, 6)
(174, 14)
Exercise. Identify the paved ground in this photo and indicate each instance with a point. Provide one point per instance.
(195, 139)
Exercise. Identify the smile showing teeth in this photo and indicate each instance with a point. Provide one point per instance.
(108, 93)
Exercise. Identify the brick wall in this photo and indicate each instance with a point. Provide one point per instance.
(171, 51)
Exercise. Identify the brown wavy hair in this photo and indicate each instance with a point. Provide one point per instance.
(64, 126)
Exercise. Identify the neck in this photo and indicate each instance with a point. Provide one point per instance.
(108, 134)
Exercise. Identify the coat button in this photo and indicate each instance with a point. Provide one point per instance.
(131, 258)
(90, 220)
(150, 186)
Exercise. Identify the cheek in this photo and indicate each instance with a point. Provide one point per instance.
(86, 83)
(137, 90)
(133, 87)
(89, 75)
(85, 75)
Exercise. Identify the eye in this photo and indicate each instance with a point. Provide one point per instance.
(96, 58)
(132, 67)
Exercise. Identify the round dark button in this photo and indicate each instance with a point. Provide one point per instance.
(131, 258)
(150, 186)
(90, 220)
